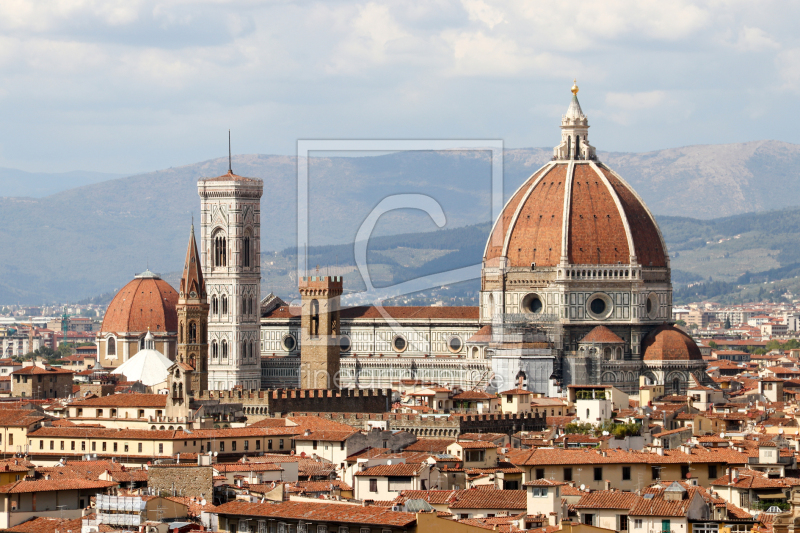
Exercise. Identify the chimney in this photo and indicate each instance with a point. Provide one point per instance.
(735, 474)
(660, 450)
(608, 485)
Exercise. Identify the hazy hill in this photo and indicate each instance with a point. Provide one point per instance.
(88, 240)
(15, 182)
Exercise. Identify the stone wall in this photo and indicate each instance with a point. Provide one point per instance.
(439, 426)
(277, 402)
(185, 480)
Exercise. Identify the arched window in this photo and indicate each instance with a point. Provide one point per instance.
(180, 390)
(192, 333)
(676, 385)
(577, 147)
(180, 333)
(224, 304)
(111, 346)
(246, 251)
(569, 146)
(214, 305)
(314, 323)
(220, 250)
(224, 349)
(491, 306)
(174, 390)
(254, 348)
(214, 350)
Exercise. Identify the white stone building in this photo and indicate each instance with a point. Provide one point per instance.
(230, 235)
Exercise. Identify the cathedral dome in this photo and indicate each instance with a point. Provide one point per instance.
(575, 210)
(668, 343)
(146, 303)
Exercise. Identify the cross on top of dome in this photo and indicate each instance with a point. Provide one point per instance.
(574, 132)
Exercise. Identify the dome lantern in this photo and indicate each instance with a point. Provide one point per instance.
(574, 132)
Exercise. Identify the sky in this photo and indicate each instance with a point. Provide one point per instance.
(129, 86)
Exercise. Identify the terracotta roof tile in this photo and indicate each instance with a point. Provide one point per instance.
(322, 512)
(402, 469)
(124, 400)
(602, 335)
(141, 304)
(49, 485)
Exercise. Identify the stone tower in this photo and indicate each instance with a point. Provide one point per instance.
(319, 344)
(192, 311)
(230, 232)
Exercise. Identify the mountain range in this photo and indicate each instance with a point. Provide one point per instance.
(91, 239)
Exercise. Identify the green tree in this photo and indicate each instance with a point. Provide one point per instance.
(791, 344)
(713, 344)
(727, 323)
(774, 344)
(579, 429)
(681, 322)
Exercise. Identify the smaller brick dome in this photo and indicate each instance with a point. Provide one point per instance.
(146, 302)
(668, 343)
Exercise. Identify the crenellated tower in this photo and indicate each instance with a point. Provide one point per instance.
(320, 342)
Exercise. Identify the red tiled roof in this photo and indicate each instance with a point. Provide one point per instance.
(142, 304)
(602, 335)
(326, 435)
(490, 499)
(604, 499)
(476, 444)
(402, 469)
(35, 370)
(430, 445)
(246, 467)
(517, 392)
(322, 512)
(124, 400)
(49, 485)
(668, 343)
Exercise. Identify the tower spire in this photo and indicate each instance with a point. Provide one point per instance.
(230, 169)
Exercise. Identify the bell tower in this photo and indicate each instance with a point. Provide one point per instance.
(229, 247)
(192, 311)
(319, 337)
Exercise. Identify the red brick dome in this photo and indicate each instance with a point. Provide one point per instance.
(147, 302)
(668, 343)
(579, 210)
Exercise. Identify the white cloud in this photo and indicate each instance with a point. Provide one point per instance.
(394, 67)
(755, 39)
(636, 101)
(481, 11)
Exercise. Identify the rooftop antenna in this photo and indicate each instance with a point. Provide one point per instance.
(230, 170)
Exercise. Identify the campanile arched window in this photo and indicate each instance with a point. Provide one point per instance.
(224, 304)
(220, 250)
(246, 250)
(192, 333)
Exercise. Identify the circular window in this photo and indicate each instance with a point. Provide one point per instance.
(531, 303)
(599, 306)
(288, 343)
(652, 306)
(344, 343)
(399, 344)
(455, 344)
